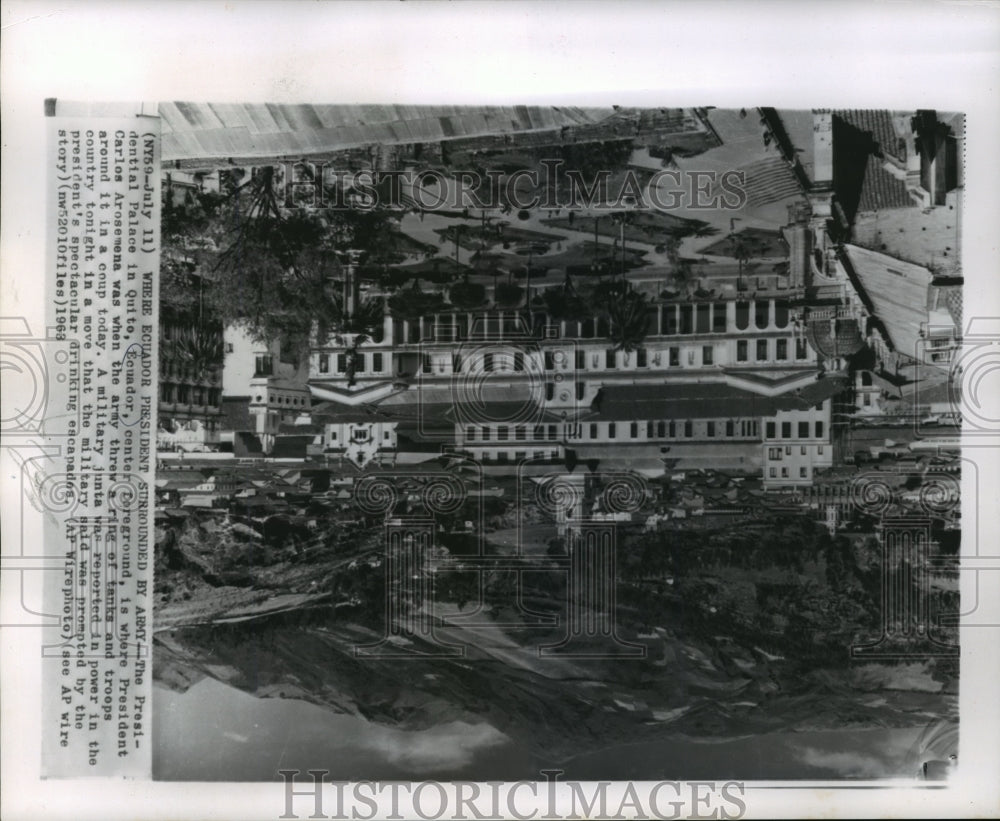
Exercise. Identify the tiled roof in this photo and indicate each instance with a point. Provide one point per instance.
(862, 142)
(878, 123)
(896, 291)
(636, 402)
(881, 190)
(769, 180)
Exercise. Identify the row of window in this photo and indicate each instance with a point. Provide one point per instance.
(553, 360)
(360, 363)
(189, 394)
(662, 429)
(762, 350)
(773, 472)
(505, 456)
(294, 401)
(359, 435)
(670, 320)
(776, 454)
(802, 430)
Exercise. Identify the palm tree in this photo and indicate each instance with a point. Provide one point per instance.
(201, 349)
(741, 253)
(628, 312)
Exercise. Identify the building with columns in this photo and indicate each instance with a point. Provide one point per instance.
(711, 379)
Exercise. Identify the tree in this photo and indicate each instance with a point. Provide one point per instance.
(414, 302)
(740, 250)
(508, 295)
(466, 294)
(200, 348)
(628, 312)
(563, 302)
(257, 264)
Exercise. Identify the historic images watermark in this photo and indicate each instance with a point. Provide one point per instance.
(541, 800)
(548, 186)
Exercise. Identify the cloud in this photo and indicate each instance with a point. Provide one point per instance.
(850, 764)
(447, 747)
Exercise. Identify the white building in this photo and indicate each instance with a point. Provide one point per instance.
(274, 386)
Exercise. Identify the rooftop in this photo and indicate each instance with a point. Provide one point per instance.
(897, 293)
(633, 402)
(206, 134)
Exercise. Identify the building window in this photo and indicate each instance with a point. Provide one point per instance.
(786, 430)
(612, 430)
(781, 349)
(661, 429)
(800, 349)
(772, 472)
(425, 363)
(803, 430)
(675, 357)
(784, 473)
(761, 350)
(867, 400)
(550, 391)
(819, 450)
(518, 361)
(229, 347)
(581, 390)
(819, 430)
(688, 429)
(741, 350)
(548, 360)
(633, 430)
(691, 356)
(640, 357)
(502, 433)
(609, 358)
(486, 433)
(706, 355)
(788, 450)
(802, 472)
(539, 431)
(488, 362)
(264, 366)
(802, 450)
(710, 428)
(673, 429)
(386, 436)
(377, 362)
(581, 360)
(359, 362)
(649, 429)
(774, 453)
(730, 428)
(593, 430)
(520, 432)
(324, 363)
(552, 432)
(770, 430)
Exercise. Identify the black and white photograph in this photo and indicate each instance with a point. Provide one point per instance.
(617, 441)
(467, 409)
